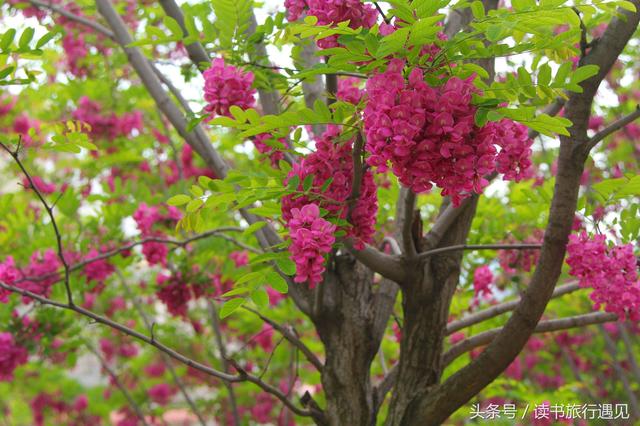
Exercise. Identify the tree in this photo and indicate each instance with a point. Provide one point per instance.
(300, 214)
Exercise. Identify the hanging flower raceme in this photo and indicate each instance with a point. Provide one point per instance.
(8, 274)
(482, 280)
(610, 272)
(311, 238)
(428, 134)
(226, 85)
(332, 12)
(332, 161)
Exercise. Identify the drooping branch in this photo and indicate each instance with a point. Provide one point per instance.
(613, 127)
(486, 337)
(49, 209)
(290, 335)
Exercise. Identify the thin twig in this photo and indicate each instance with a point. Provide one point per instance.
(16, 157)
(73, 17)
(291, 336)
(167, 362)
(613, 127)
(136, 408)
(457, 247)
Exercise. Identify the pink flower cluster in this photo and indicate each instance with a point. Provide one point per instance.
(146, 217)
(514, 159)
(161, 393)
(12, 356)
(226, 85)
(513, 260)
(106, 126)
(41, 265)
(348, 90)
(98, 270)
(76, 50)
(429, 135)
(482, 280)
(610, 272)
(189, 169)
(311, 238)
(333, 160)
(8, 274)
(274, 154)
(175, 293)
(332, 12)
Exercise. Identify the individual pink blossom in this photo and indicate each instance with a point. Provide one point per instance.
(311, 238)
(161, 393)
(12, 356)
(39, 183)
(226, 85)
(156, 369)
(610, 271)
(81, 403)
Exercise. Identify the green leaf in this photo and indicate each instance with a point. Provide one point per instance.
(7, 71)
(477, 9)
(45, 39)
(230, 306)
(287, 266)
(260, 298)
(7, 38)
(26, 37)
(253, 228)
(236, 291)
(583, 73)
(194, 205)
(544, 75)
(178, 200)
(277, 282)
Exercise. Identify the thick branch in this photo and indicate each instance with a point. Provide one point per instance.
(486, 337)
(195, 50)
(388, 266)
(408, 199)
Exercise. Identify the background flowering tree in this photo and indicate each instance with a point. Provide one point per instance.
(327, 212)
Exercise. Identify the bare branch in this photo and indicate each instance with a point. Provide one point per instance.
(195, 50)
(486, 337)
(458, 247)
(215, 324)
(73, 17)
(291, 336)
(16, 157)
(613, 127)
(243, 376)
(502, 308)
